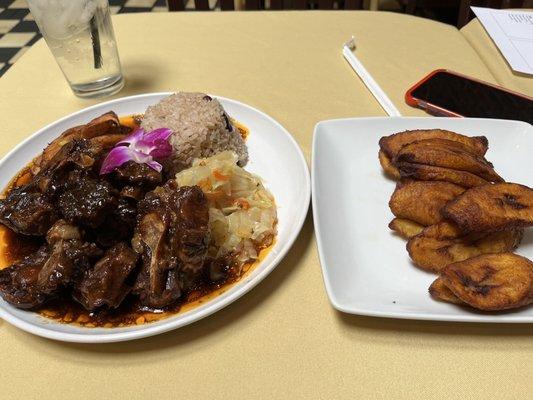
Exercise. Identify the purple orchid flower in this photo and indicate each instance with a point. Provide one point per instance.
(141, 147)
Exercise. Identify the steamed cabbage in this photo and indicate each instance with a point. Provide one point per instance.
(242, 213)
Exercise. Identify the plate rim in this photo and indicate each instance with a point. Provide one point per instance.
(211, 306)
(349, 309)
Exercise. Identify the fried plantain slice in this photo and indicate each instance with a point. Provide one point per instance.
(405, 228)
(492, 281)
(447, 154)
(431, 173)
(432, 253)
(439, 291)
(393, 143)
(421, 201)
(443, 230)
(387, 166)
(492, 208)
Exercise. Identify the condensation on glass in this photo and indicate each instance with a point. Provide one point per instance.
(80, 35)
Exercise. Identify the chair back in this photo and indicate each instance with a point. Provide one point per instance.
(465, 14)
(229, 5)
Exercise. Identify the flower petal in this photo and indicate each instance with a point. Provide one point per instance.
(115, 158)
(144, 147)
(132, 139)
(162, 149)
(154, 140)
(158, 134)
(140, 157)
(155, 165)
(141, 147)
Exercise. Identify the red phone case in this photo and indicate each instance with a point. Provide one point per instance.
(433, 108)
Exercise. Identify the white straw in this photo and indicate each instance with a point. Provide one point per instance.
(367, 79)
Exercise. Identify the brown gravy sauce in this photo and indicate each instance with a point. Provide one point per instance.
(14, 247)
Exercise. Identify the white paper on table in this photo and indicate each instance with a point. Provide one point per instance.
(512, 32)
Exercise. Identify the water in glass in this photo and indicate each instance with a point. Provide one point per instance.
(81, 38)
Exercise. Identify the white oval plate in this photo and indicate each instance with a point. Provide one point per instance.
(274, 155)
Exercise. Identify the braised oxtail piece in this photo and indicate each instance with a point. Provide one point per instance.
(108, 283)
(172, 236)
(104, 125)
(18, 283)
(31, 209)
(27, 211)
(55, 267)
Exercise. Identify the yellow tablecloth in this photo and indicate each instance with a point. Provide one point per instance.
(283, 339)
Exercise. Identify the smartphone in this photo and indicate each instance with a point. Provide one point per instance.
(447, 93)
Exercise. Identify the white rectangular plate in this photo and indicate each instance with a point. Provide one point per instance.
(365, 266)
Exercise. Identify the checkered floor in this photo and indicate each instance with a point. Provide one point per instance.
(18, 30)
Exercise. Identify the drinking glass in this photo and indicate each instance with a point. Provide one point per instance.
(80, 35)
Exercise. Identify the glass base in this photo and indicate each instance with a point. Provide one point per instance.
(102, 88)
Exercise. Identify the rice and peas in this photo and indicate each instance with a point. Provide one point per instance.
(209, 151)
